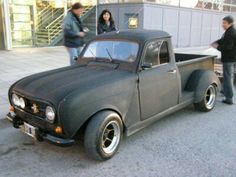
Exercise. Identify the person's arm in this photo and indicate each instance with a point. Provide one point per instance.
(113, 28)
(227, 43)
(218, 41)
(68, 32)
(99, 28)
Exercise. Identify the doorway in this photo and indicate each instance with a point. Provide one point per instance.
(22, 23)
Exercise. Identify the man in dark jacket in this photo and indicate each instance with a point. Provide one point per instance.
(73, 32)
(227, 46)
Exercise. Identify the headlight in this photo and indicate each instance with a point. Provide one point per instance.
(18, 101)
(22, 103)
(15, 100)
(50, 114)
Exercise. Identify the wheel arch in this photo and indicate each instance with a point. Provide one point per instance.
(83, 127)
(199, 81)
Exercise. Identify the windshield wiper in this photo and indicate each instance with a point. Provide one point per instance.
(111, 59)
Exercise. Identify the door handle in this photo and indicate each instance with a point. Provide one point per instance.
(172, 71)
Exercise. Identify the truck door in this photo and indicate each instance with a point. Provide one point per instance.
(158, 79)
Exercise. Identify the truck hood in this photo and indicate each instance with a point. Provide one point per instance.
(53, 86)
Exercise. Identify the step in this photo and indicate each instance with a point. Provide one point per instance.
(42, 37)
(41, 40)
(41, 32)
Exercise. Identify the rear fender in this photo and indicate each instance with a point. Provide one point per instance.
(199, 81)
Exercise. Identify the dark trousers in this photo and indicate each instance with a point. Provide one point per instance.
(228, 83)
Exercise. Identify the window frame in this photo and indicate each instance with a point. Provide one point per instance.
(145, 51)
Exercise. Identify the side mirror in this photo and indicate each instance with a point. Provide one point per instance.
(146, 66)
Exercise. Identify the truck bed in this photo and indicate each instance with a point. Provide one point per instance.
(187, 63)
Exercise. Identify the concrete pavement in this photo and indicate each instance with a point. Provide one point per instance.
(185, 144)
(19, 63)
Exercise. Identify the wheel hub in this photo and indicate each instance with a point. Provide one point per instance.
(111, 137)
(210, 97)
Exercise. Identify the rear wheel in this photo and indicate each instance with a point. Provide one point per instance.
(103, 135)
(209, 100)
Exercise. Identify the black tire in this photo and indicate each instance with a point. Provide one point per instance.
(99, 133)
(209, 99)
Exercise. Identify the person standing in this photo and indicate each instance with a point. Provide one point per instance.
(73, 32)
(105, 22)
(227, 46)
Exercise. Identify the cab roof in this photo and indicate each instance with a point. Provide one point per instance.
(138, 35)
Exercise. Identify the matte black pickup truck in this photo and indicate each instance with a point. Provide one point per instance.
(123, 82)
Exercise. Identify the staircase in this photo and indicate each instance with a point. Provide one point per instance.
(49, 28)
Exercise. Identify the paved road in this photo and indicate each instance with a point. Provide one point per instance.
(185, 144)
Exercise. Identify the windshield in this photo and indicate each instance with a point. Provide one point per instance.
(112, 50)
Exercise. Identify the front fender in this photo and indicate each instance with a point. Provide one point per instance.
(199, 81)
(77, 108)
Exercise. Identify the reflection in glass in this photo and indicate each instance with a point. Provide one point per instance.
(227, 5)
(233, 6)
(191, 4)
(218, 5)
(118, 50)
(205, 4)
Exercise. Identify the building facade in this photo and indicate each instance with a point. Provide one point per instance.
(36, 23)
(191, 23)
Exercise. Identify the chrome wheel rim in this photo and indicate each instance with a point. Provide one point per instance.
(111, 137)
(210, 97)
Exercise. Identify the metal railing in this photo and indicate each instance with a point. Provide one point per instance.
(47, 17)
(54, 29)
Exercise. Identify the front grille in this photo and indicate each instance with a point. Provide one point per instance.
(32, 105)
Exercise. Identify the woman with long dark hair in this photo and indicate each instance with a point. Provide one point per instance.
(105, 22)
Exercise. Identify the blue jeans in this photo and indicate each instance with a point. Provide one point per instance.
(228, 83)
(74, 53)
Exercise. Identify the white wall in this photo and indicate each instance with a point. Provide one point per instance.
(188, 27)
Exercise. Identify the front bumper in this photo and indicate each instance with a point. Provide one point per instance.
(40, 134)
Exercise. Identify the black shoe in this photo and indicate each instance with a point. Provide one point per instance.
(227, 102)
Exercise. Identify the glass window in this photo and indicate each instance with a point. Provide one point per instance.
(108, 1)
(206, 4)
(117, 50)
(233, 7)
(227, 5)
(191, 4)
(169, 2)
(164, 53)
(157, 53)
(21, 16)
(152, 53)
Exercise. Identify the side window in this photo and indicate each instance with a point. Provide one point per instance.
(152, 53)
(164, 53)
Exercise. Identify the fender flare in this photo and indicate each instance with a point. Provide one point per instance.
(102, 111)
(199, 81)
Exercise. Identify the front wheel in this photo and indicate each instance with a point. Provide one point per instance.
(209, 100)
(103, 135)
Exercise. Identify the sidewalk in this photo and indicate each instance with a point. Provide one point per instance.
(19, 63)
